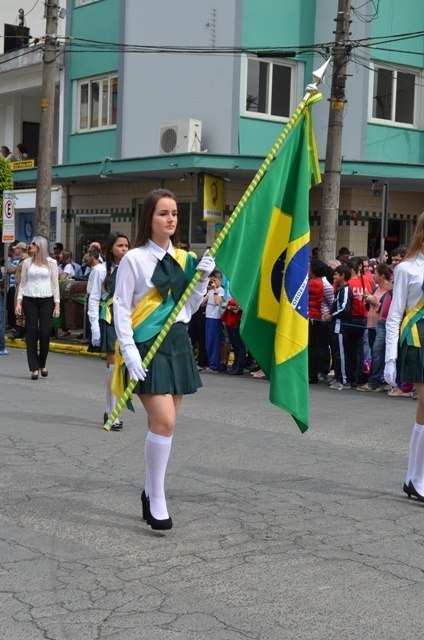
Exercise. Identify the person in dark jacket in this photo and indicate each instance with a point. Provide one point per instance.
(340, 316)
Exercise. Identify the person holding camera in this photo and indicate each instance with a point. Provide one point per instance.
(214, 329)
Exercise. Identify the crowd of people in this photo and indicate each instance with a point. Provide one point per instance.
(349, 302)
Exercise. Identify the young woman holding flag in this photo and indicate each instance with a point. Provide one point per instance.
(151, 279)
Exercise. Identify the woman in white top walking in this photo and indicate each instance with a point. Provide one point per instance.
(405, 348)
(100, 313)
(39, 299)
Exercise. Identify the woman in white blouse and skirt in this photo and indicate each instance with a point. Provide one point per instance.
(39, 299)
(405, 348)
(151, 278)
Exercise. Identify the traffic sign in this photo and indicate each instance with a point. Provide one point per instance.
(8, 233)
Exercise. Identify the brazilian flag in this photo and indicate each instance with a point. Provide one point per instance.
(265, 256)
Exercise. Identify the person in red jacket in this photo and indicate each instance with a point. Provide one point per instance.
(320, 300)
(360, 287)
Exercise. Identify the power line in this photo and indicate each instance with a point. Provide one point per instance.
(364, 17)
(83, 45)
(32, 8)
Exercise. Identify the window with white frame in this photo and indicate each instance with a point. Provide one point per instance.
(269, 88)
(394, 95)
(79, 3)
(97, 103)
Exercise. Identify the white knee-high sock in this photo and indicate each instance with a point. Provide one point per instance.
(157, 450)
(412, 449)
(417, 468)
(110, 398)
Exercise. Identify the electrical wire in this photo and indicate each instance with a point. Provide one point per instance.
(32, 8)
(84, 45)
(370, 17)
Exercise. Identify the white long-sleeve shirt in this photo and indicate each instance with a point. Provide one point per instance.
(407, 293)
(97, 293)
(134, 282)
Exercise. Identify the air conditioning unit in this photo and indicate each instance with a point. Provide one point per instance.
(181, 136)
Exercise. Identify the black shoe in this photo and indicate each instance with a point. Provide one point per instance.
(414, 492)
(145, 506)
(160, 525)
(44, 373)
(157, 525)
(116, 426)
(407, 489)
(235, 372)
(34, 375)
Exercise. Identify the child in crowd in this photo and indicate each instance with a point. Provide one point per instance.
(213, 300)
(339, 316)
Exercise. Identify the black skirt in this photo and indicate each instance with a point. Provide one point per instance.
(411, 359)
(173, 368)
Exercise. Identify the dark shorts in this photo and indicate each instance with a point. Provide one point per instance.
(173, 368)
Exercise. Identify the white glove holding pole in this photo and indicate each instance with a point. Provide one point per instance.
(135, 370)
(95, 336)
(390, 373)
(207, 265)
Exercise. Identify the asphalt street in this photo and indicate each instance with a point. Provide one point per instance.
(277, 535)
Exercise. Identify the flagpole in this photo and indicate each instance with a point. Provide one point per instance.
(310, 95)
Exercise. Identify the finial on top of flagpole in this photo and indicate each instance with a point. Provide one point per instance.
(318, 77)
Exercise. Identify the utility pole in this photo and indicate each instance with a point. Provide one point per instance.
(331, 183)
(45, 147)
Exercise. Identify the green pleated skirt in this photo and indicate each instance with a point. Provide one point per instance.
(173, 368)
(411, 359)
(107, 337)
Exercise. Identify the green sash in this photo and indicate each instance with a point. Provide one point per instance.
(149, 316)
(408, 329)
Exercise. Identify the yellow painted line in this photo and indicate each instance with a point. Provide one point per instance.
(58, 347)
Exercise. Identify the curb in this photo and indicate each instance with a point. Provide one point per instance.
(57, 347)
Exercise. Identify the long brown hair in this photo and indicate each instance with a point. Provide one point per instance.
(417, 242)
(147, 210)
(112, 238)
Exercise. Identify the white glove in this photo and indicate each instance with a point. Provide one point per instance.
(135, 370)
(206, 264)
(390, 373)
(95, 336)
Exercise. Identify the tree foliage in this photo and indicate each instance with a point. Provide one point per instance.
(6, 182)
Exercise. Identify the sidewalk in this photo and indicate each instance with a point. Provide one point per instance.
(71, 344)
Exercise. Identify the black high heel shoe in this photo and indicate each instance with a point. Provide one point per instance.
(145, 506)
(407, 489)
(157, 525)
(161, 525)
(44, 373)
(34, 375)
(415, 493)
